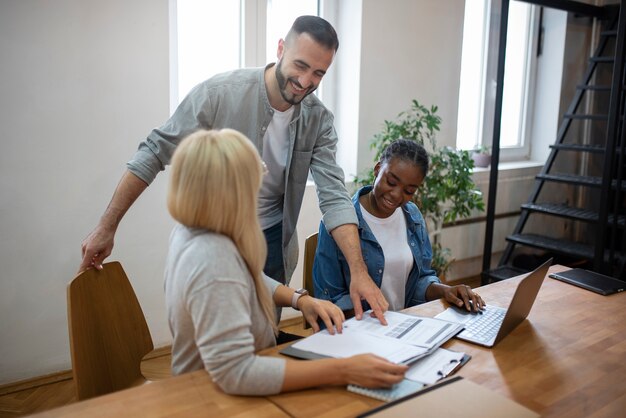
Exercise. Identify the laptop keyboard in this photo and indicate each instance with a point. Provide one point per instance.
(484, 327)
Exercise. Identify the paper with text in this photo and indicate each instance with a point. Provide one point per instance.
(350, 344)
(409, 329)
(434, 367)
(405, 339)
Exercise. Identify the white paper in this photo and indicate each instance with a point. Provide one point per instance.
(409, 329)
(404, 338)
(351, 343)
(435, 366)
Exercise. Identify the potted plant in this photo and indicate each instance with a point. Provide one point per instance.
(481, 156)
(448, 193)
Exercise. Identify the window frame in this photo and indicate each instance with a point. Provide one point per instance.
(253, 42)
(486, 101)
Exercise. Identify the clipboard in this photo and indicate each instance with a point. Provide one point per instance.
(438, 365)
(291, 351)
(457, 366)
(410, 385)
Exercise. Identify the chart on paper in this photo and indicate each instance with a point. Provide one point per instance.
(414, 330)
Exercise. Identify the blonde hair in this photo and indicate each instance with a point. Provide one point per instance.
(214, 184)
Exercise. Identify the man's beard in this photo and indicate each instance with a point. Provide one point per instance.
(282, 86)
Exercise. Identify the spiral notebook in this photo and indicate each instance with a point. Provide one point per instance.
(404, 388)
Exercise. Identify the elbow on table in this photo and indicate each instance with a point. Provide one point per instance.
(243, 388)
(237, 383)
(230, 383)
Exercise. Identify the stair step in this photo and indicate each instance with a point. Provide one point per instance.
(558, 246)
(608, 33)
(572, 179)
(563, 211)
(593, 87)
(578, 180)
(503, 273)
(570, 212)
(597, 149)
(585, 116)
(602, 59)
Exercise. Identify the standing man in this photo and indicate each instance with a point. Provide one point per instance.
(293, 132)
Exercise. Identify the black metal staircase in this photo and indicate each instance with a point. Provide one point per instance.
(584, 204)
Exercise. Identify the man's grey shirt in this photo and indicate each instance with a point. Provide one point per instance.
(238, 100)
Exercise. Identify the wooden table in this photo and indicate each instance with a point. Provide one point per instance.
(189, 395)
(567, 360)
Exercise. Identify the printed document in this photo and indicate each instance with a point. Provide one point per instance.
(405, 339)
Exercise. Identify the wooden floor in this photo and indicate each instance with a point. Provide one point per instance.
(16, 401)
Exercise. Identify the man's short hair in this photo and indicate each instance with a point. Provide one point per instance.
(319, 29)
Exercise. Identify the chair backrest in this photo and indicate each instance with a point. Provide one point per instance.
(108, 331)
(310, 245)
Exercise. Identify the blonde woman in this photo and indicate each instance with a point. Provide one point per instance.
(220, 305)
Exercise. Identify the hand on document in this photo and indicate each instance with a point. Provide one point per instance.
(406, 338)
(372, 371)
(314, 309)
(362, 287)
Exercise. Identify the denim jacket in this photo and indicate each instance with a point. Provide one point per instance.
(238, 100)
(331, 275)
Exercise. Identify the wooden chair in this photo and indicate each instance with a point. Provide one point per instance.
(310, 245)
(108, 332)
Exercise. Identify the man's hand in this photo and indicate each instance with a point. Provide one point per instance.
(99, 243)
(362, 287)
(96, 247)
(330, 313)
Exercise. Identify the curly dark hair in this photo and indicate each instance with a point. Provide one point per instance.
(407, 150)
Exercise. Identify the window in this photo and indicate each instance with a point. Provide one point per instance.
(478, 74)
(473, 63)
(207, 39)
(280, 17)
(212, 36)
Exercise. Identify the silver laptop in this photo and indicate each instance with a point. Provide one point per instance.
(495, 323)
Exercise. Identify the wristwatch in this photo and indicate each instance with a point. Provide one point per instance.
(297, 295)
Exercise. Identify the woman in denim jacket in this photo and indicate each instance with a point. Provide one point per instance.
(394, 240)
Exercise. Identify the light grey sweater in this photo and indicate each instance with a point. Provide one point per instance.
(214, 314)
(238, 100)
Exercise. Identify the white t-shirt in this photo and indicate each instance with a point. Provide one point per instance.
(392, 237)
(275, 152)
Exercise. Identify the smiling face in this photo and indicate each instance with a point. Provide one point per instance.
(396, 182)
(302, 63)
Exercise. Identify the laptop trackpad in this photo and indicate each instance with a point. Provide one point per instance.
(454, 314)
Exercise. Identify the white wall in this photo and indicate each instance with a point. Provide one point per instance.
(84, 81)
(410, 50)
(81, 83)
